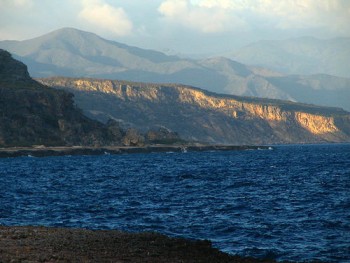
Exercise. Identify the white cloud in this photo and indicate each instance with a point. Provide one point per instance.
(22, 3)
(297, 14)
(226, 4)
(106, 17)
(223, 15)
(16, 3)
(200, 17)
(214, 25)
(332, 15)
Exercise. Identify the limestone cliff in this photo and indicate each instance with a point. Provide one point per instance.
(204, 116)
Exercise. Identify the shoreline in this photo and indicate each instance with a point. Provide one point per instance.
(49, 244)
(43, 151)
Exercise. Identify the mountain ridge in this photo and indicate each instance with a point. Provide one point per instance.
(74, 53)
(205, 116)
(248, 99)
(34, 114)
(304, 55)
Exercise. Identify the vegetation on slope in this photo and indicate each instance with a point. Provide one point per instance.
(205, 116)
(34, 114)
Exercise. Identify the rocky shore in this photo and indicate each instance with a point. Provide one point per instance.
(42, 151)
(43, 244)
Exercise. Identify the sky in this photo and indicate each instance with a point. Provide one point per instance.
(179, 26)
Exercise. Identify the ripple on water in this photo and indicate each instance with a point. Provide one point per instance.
(290, 203)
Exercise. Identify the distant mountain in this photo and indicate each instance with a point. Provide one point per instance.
(301, 56)
(205, 116)
(74, 53)
(317, 89)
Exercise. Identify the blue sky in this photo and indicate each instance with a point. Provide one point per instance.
(179, 26)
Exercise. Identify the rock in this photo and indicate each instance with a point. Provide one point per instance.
(34, 114)
(13, 71)
(162, 135)
(133, 138)
(114, 129)
(42, 244)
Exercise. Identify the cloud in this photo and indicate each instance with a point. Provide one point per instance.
(199, 17)
(104, 16)
(299, 14)
(226, 15)
(16, 3)
(208, 25)
(226, 4)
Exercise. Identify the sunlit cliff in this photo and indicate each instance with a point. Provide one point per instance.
(200, 115)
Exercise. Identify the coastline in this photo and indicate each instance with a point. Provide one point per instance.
(43, 151)
(50, 244)
(47, 244)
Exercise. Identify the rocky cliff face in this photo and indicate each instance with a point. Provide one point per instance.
(199, 115)
(33, 114)
(13, 71)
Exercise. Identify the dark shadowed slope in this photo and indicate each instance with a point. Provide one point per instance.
(34, 114)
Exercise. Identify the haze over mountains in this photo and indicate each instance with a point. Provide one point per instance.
(74, 53)
(304, 55)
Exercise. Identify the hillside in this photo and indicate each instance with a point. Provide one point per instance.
(204, 116)
(34, 114)
(305, 55)
(73, 53)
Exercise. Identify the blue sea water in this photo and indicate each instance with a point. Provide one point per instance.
(289, 203)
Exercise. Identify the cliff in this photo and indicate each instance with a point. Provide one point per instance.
(204, 116)
(34, 114)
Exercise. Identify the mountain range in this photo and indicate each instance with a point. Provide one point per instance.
(302, 56)
(73, 53)
(32, 113)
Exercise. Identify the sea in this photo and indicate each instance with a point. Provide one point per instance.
(290, 202)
